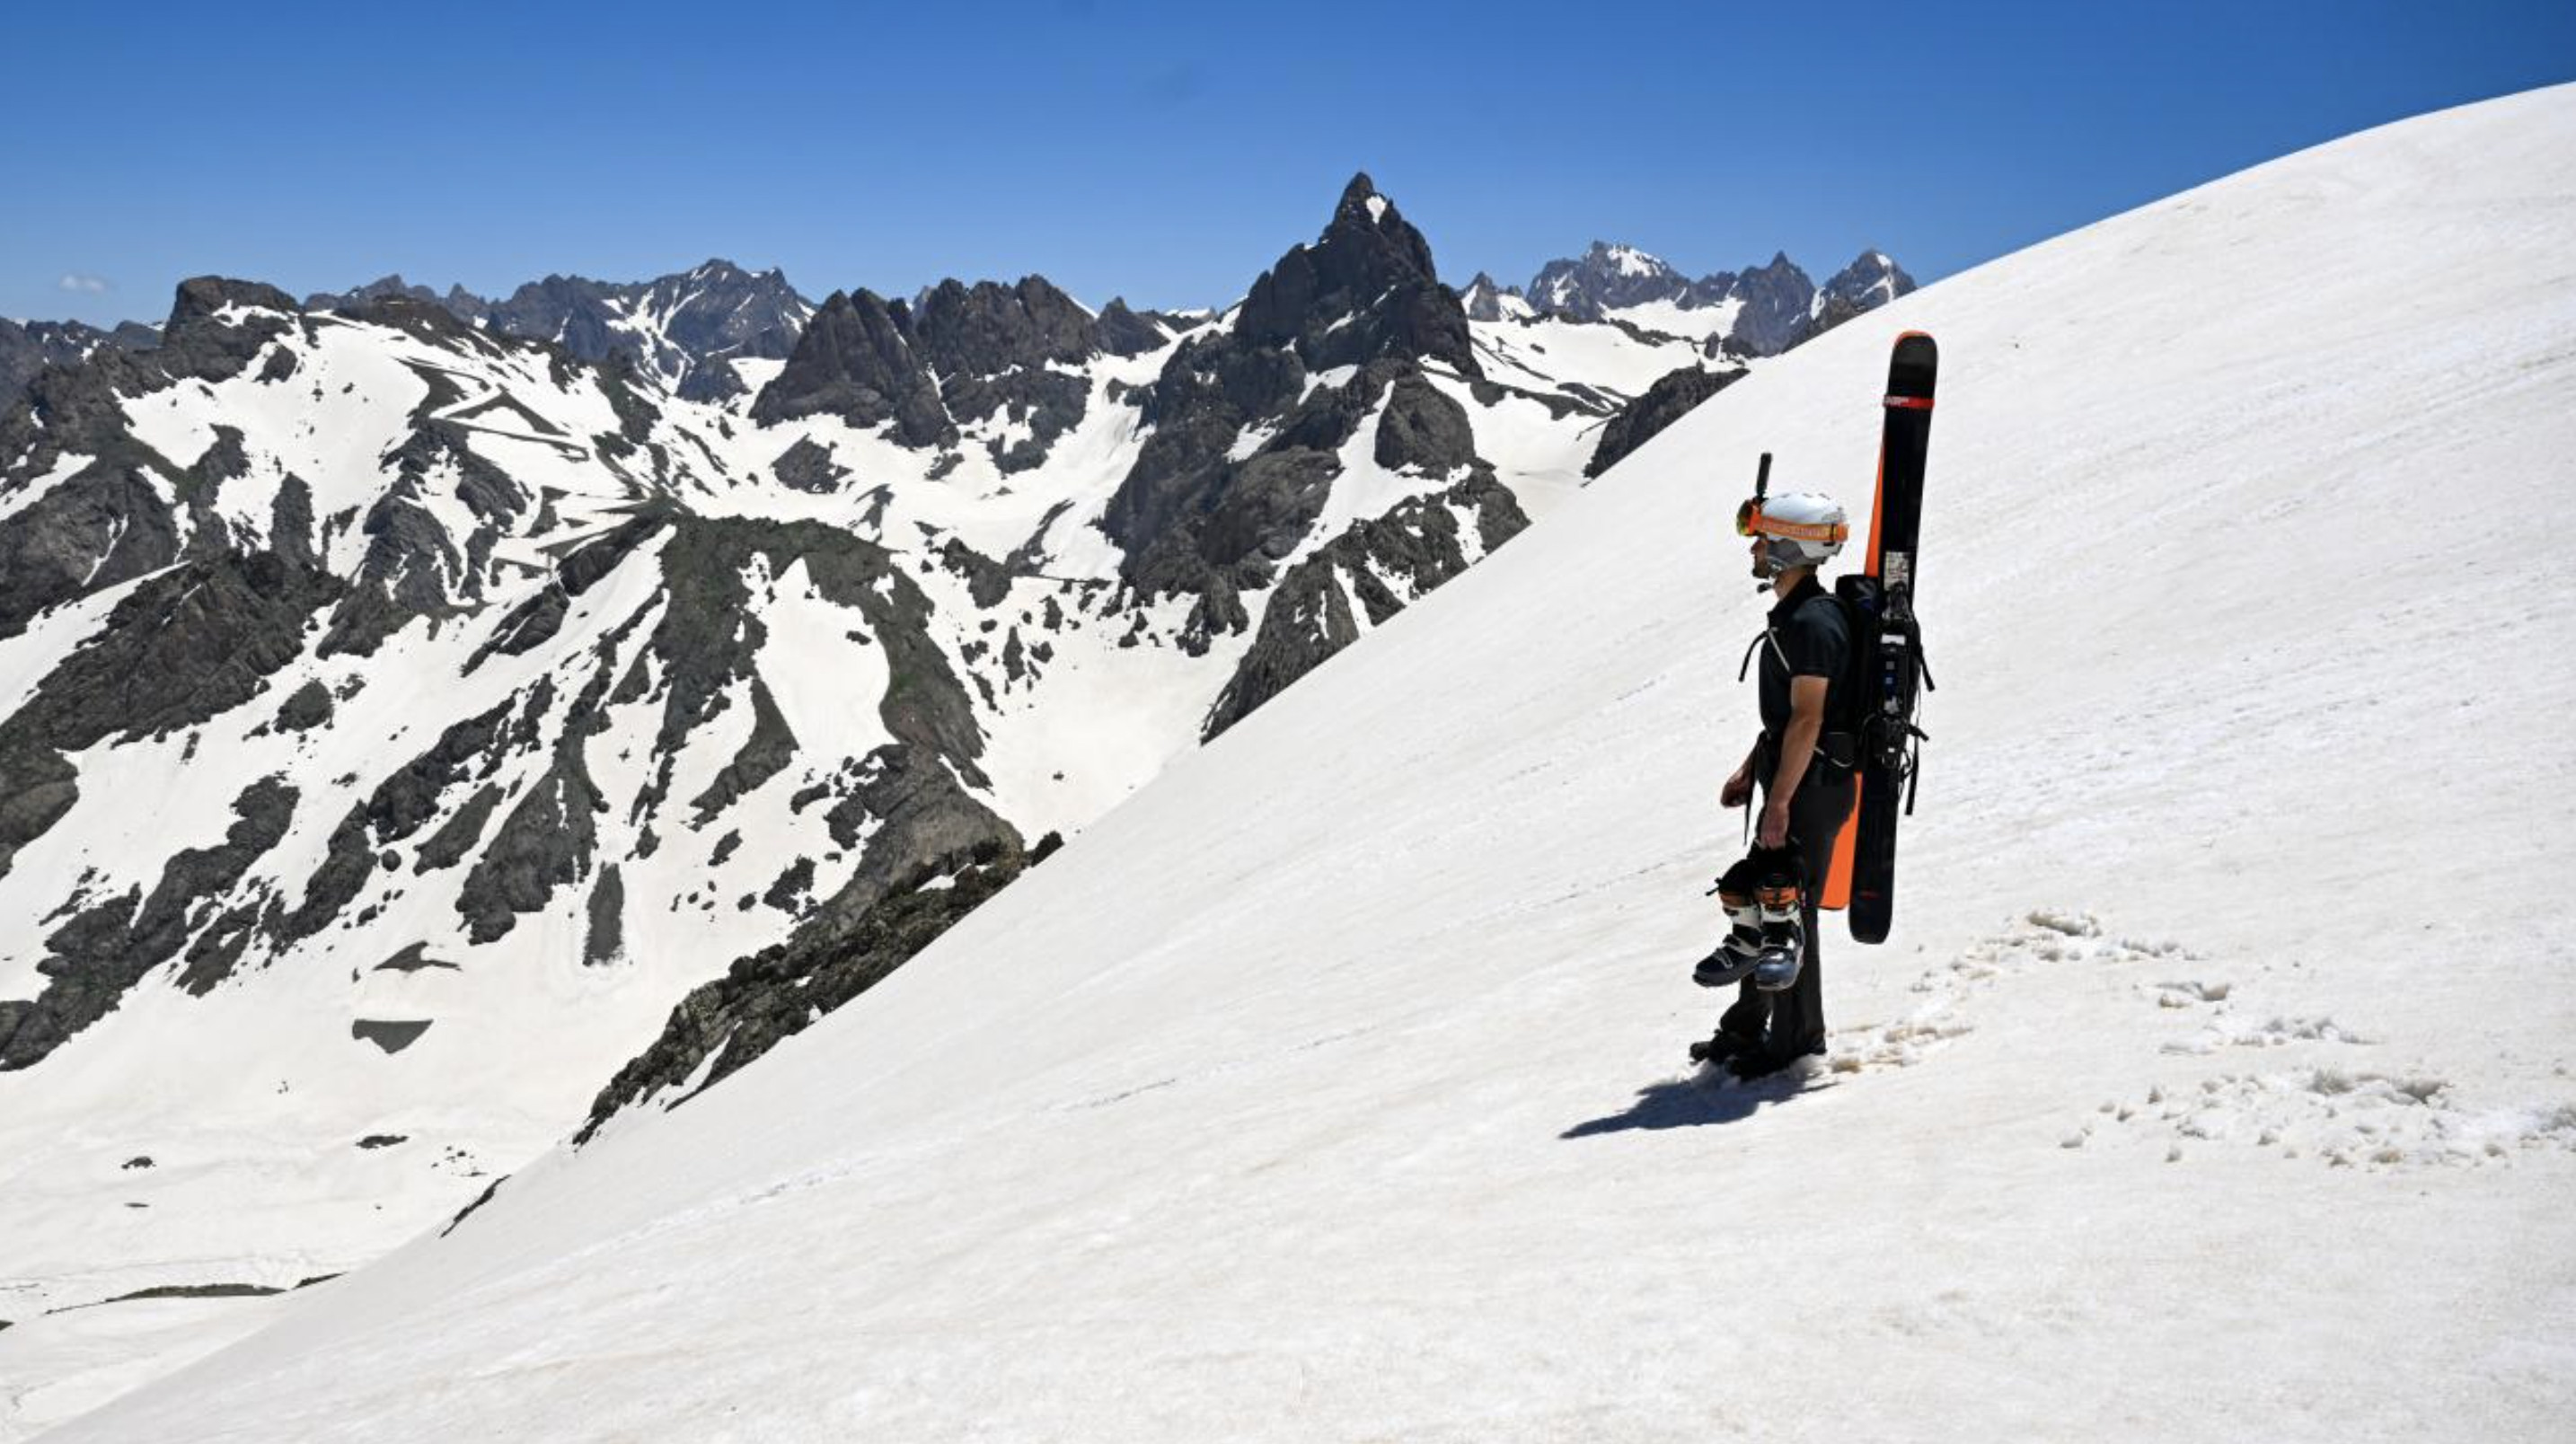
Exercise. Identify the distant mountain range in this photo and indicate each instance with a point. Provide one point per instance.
(1760, 311)
(684, 330)
(680, 329)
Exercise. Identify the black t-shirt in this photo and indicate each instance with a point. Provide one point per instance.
(1810, 637)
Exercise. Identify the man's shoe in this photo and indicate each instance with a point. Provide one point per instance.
(1721, 1046)
(1759, 1062)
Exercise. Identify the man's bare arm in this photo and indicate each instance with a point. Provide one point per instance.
(1798, 742)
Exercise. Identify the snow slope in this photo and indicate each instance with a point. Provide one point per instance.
(2211, 1087)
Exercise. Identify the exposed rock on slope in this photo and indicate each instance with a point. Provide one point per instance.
(1004, 360)
(1359, 580)
(1664, 403)
(28, 348)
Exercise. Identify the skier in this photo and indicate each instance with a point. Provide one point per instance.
(1805, 773)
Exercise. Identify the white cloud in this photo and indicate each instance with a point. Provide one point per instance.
(83, 284)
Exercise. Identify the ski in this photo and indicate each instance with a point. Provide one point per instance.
(1895, 675)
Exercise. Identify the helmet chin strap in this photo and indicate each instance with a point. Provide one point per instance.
(1771, 568)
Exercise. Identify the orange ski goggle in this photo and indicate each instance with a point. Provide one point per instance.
(1749, 521)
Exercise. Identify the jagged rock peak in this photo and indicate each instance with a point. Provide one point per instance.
(987, 328)
(1367, 222)
(1779, 306)
(1361, 196)
(855, 360)
(1872, 279)
(1369, 266)
(1125, 332)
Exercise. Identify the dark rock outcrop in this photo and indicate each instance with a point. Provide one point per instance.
(391, 1034)
(195, 641)
(1122, 332)
(990, 348)
(413, 566)
(774, 994)
(104, 525)
(1778, 299)
(809, 467)
(306, 708)
(550, 837)
(1366, 289)
(106, 948)
(106, 522)
(1420, 544)
(606, 938)
(959, 356)
(30, 348)
(1423, 429)
(536, 620)
(856, 361)
(1665, 402)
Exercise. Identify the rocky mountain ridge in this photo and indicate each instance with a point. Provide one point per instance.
(685, 329)
(27, 347)
(1760, 311)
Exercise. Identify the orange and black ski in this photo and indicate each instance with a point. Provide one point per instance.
(1892, 675)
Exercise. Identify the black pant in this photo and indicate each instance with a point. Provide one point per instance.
(1791, 1023)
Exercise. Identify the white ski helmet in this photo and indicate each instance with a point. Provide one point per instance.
(1803, 528)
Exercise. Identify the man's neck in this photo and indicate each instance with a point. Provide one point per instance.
(1790, 580)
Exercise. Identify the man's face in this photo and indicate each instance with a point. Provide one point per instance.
(1757, 556)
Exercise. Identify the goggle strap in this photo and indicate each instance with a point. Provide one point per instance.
(1749, 520)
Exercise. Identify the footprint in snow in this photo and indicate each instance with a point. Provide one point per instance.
(2042, 938)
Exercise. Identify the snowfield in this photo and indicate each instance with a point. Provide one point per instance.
(2215, 1084)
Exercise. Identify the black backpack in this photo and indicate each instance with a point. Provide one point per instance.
(1882, 683)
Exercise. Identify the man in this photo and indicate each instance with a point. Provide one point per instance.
(1805, 773)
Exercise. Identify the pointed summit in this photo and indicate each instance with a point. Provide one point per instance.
(1368, 266)
(1361, 201)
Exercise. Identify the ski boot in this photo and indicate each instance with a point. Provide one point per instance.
(1784, 946)
(1722, 1045)
(1741, 951)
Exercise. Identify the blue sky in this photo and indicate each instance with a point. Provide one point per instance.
(1163, 152)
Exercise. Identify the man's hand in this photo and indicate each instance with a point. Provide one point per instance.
(1738, 789)
(1774, 831)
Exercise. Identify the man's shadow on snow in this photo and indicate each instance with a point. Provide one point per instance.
(1710, 1096)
